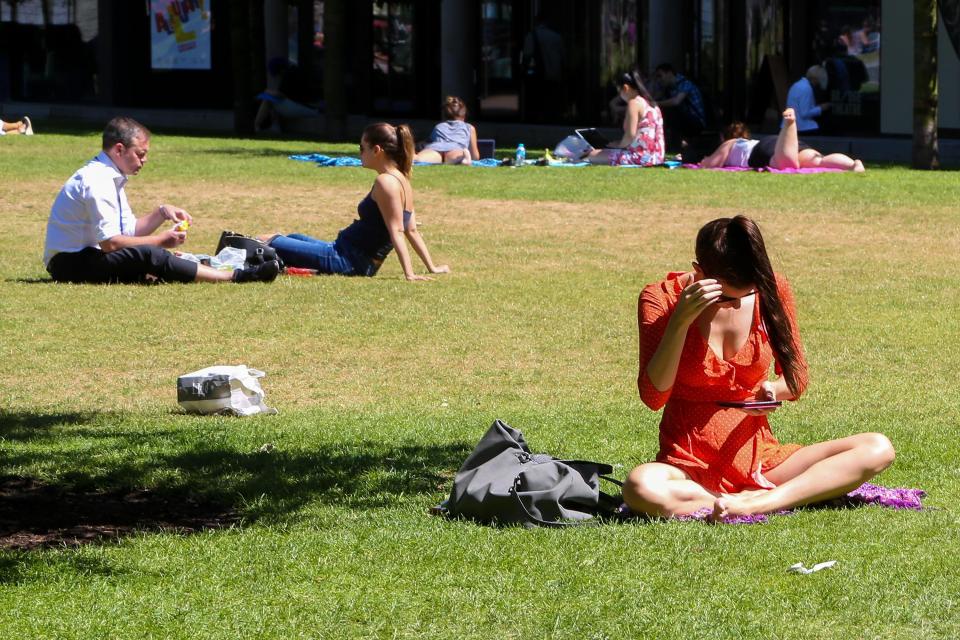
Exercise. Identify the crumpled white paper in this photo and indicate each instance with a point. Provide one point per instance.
(799, 568)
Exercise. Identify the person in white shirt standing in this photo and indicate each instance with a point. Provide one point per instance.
(801, 99)
(93, 236)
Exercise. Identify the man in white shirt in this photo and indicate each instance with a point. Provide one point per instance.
(93, 236)
(801, 99)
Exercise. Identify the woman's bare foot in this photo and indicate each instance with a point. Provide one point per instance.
(858, 167)
(267, 237)
(721, 509)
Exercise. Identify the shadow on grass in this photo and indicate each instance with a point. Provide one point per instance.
(100, 482)
(277, 152)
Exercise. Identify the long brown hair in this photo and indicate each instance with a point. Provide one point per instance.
(732, 250)
(736, 130)
(396, 142)
(633, 79)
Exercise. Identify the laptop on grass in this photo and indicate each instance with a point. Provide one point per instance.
(593, 137)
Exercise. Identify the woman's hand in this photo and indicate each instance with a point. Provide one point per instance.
(764, 393)
(694, 298)
(440, 268)
(418, 278)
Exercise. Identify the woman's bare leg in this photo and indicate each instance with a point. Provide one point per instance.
(786, 152)
(599, 156)
(13, 127)
(659, 489)
(812, 158)
(430, 156)
(457, 156)
(815, 473)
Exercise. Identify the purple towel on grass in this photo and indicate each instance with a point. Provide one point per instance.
(865, 494)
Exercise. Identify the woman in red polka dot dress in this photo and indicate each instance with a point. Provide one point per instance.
(709, 336)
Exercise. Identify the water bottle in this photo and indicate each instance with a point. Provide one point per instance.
(521, 155)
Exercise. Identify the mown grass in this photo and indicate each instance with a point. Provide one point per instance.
(384, 386)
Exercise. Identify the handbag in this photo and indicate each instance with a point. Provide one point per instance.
(258, 252)
(502, 482)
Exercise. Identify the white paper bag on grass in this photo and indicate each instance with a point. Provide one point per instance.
(223, 389)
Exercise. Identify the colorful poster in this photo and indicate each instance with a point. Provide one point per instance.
(180, 34)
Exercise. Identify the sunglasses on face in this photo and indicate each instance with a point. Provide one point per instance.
(732, 298)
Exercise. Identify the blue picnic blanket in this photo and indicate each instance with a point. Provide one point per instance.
(350, 161)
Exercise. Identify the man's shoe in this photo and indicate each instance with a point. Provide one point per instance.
(264, 272)
(29, 130)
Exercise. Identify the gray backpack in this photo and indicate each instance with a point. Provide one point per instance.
(502, 482)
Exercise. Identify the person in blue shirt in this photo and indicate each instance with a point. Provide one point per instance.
(684, 112)
(802, 100)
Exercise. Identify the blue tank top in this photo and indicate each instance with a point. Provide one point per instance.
(366, 239)
(450, 135)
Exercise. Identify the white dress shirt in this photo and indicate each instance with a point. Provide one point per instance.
(90, 208)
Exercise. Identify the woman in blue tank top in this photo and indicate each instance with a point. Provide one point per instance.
(384, 217)
(453, 141)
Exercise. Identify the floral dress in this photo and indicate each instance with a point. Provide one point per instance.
(722, 449)
(647, 148)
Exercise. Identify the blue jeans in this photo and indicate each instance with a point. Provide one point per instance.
(299, 250)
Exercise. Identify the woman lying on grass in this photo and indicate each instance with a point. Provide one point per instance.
(783, 151)
(709, 336)
(385, 216)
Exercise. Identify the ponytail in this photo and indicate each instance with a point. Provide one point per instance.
(396, 142)
(633, 79)
(732, 249)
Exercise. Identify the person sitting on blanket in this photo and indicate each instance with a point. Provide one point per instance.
(782, 151)
(642, 142)
(453, 141)
(385, 216)
(708, 336)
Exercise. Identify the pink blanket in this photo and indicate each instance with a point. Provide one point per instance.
(767, 169)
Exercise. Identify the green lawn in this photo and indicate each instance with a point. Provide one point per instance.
(384, 386)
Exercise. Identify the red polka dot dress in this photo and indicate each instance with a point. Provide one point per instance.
(723, 449)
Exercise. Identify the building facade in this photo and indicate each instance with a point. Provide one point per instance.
(526, 61)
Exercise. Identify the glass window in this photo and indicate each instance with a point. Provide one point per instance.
(618, 43)
(498, 88)
(846, 41)
(50, 50)
(393, 82)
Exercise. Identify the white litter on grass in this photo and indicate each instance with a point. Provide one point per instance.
(799, 568)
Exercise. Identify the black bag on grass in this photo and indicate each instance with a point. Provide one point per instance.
(502, 482)
(257, 252)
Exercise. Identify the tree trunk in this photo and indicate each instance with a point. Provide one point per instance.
(334, 61)
(925, 91)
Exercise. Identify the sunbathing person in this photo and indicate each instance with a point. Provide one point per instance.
(708, 336)
(782, 151)
(385, 216)
(23, 127)
(453, 141)
(642, 142)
